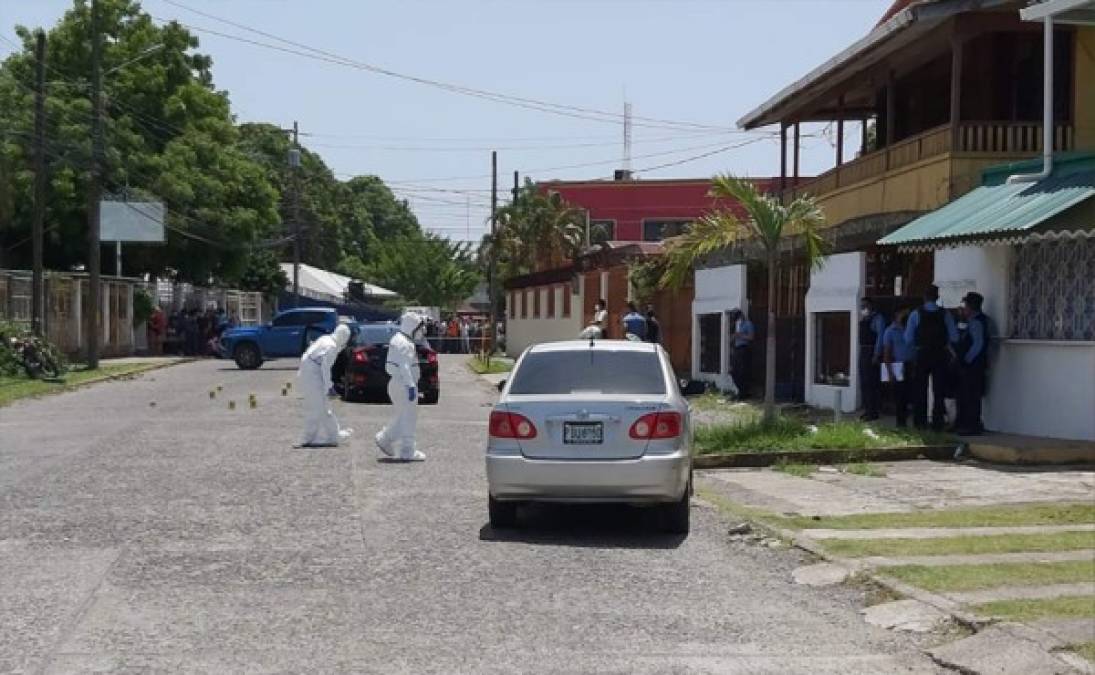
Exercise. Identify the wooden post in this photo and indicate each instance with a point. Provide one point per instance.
(797, 146)
(891, 108)
(38, 225)
(840, 130)
(956, 91)
(782, 156)
(863, 136)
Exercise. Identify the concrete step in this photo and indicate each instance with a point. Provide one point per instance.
(937, 532)
(1023, 593)
(980, 558)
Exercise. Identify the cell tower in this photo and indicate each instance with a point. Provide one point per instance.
(627, 139)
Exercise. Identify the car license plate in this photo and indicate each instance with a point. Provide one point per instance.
(583, 433)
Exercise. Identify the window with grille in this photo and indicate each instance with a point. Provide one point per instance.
(1053, 290)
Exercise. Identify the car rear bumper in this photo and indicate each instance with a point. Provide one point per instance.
(653, 478)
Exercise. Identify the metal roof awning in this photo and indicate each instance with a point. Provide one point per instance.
(1074, 12)
(999, 212)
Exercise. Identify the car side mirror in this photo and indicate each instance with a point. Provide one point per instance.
(501, 385)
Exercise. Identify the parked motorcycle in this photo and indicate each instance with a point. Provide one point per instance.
(37, 357)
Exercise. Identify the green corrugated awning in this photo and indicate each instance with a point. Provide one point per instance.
(999, 210)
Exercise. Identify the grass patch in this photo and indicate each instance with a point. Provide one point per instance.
(973, 577)
(496, 366)
(789, 434)
(15, 388)
(864, 469)
(794, 469)
(996, 543)
(1071, 607)
(978, 516)
(1086, 650)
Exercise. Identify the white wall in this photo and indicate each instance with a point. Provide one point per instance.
(718, 290)
(520, 333)
(836, 287)
(1042, 388)
(985, 269)
(1036, 387)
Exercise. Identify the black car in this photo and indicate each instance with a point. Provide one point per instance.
(359, 372)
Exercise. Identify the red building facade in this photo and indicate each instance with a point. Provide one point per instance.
(643, 210)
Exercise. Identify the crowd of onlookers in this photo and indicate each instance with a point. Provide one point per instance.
(188, 332)
(457, 335)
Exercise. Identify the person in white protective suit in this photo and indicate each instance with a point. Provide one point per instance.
(397, 439)
(314, 375)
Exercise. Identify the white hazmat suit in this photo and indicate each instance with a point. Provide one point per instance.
(314, 377)
(397, 439)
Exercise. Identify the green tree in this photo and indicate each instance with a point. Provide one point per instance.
(263, 274)
(536, 230)
(767, 222)
(424, 269)
(167, 132)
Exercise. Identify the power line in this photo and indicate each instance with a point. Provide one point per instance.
(520, 101)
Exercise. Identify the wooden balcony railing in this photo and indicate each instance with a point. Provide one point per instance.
(977, 138)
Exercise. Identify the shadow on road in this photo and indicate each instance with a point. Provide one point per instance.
(283, 368)
(587, 526)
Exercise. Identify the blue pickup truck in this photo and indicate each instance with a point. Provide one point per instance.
(288, 334)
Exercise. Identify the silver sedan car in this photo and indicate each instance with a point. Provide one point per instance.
(591, 421)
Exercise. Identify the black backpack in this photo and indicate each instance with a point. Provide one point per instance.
(931, 331)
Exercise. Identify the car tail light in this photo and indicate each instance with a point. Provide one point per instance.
(657, 425)
(511, 425)
(360, 356)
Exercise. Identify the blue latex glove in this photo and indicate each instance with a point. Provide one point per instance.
(412, 394)
(332, 393)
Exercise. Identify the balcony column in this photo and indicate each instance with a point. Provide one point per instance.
(957, 47)
(863, 136)
(891, 107)
(797, 146)
(782, 156)
(840, 130)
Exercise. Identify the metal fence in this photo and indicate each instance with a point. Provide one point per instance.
(65, 301)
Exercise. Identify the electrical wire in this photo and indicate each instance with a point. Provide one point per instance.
(602, 115)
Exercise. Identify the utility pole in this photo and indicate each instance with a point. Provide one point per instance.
(516, 185)
(94, 192)
(493, 250)
(294, 168)
(39, 182)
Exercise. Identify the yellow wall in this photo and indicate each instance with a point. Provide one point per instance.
(1084, 117)
(918, 187)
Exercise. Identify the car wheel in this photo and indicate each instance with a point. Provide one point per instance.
(431, 397)
(678, 514)
(502, 514)
(247, 356)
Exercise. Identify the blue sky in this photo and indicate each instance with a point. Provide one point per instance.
(705, 62)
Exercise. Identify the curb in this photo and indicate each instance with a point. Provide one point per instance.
(762, 459)
(1065, 454)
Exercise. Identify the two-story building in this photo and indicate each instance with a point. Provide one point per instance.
(628, 219)
(940, 91)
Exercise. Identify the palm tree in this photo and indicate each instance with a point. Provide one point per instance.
(766, 222)
(535, 230)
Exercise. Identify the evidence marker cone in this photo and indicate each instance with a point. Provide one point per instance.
(220, 387)
(254, 404)
(212, 393)
(231, 405)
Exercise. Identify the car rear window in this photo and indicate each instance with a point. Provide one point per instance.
(373, 335)
(606, 372)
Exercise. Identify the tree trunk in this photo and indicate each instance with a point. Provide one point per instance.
(770, 346)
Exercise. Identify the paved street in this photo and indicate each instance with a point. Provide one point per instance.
(185, 536)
